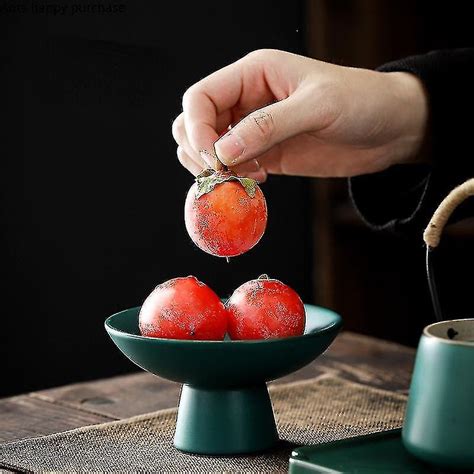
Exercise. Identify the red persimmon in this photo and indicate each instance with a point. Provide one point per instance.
(225, 215)
(265, 308)
(183, 308)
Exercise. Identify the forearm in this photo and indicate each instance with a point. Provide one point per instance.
(403, 197)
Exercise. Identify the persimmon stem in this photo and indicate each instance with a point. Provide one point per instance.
(220, 166)
(218, 163)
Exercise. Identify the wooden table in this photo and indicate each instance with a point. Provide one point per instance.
(359, 358)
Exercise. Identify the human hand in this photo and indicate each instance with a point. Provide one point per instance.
(299, 116)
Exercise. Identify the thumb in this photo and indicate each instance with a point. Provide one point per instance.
(260, 131)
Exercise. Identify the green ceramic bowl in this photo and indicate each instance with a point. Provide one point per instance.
(224, 407)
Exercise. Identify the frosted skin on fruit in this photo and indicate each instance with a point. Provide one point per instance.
(225, 222)
(264, 309)
(183, 308)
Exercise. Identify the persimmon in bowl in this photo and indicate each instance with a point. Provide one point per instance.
(225, 407)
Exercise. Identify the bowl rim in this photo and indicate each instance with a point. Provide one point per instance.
(336, 324)
(428, 334)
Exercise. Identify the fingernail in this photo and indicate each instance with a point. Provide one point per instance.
(208, 158)
(230, 148)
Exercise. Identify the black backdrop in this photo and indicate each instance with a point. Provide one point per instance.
(92, 192)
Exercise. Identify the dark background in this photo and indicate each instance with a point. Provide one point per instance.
(92, 192)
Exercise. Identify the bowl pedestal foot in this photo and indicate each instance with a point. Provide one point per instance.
(225, 421)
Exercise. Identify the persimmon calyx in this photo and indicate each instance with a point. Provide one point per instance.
(208, 179)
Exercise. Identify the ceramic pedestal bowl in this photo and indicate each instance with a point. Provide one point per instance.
(224, 407)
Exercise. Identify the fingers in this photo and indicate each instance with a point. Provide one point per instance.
(251, 166)
(202, 160)
(191, 165)
(259, 168)
(208, 99)
(210, 104)
(261, 130)
(260, 176)
(204, 156)
(251, 169)
(218, 100)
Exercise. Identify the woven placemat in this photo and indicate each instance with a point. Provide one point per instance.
(308, 412)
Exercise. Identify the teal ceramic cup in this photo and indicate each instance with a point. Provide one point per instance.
(439, 421)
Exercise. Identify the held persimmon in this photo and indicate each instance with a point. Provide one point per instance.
(183, 308)
(225, 215)
(265, 308)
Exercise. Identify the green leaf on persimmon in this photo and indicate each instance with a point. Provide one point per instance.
(207, 180)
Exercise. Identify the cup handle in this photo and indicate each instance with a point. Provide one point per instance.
(434, 229)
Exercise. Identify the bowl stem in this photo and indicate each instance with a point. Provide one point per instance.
(230, 421)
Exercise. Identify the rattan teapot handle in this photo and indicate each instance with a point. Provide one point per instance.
(458, 195)
(433, 231)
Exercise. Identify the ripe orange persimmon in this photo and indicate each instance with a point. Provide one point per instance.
(265, 308)
(183, 308)
(225, 215)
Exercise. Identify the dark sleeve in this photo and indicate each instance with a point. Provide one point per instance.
(404, 197)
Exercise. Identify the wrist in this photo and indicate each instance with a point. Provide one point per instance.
(412, 113)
